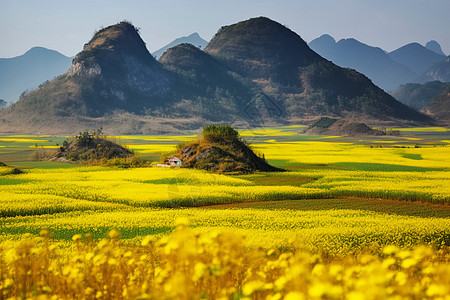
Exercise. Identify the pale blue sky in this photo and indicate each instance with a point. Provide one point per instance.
(66, 25)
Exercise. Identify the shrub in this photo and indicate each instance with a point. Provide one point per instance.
(217, 133)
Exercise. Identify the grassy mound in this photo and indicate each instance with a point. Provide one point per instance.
(222, 150)
(90, 147)
(329, 126)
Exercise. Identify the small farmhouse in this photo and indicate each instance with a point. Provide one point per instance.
(171, 162)
(174, 162)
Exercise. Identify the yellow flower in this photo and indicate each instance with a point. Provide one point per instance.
(251, 287)
(437, 290)
(149, 239)
(408, 263)
(113, 234)
(76, 237)
(294, 296)
(181, 222)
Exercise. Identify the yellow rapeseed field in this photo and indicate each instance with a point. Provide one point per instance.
(94, 232)
(214, 265)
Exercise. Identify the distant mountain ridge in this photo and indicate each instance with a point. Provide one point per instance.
(28, 71)
(256, 72)
(416, 57)
(387, 70)
(371, 61)
(193, 39)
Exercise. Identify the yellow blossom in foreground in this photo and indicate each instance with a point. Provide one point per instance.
(214, 266)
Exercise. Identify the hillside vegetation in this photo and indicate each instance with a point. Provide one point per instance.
(205, 85)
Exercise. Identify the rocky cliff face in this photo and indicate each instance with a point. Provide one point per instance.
(79, 69)
(118, 57)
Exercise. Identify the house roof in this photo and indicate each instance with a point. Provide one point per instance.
(174, 159)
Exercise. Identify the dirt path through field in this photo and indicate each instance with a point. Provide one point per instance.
(407, 208)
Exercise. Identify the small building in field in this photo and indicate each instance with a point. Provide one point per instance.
(171, 162)
(174, 162)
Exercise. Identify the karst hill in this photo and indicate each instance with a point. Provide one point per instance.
(253, 71)
(303, 84)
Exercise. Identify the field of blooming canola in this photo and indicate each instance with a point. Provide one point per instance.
(344, 204)
(213, 265)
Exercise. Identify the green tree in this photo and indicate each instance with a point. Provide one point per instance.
(3, 103)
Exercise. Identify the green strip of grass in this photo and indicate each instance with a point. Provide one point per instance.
(412, 156)
(43, 165)
(13, 181)
(96, 233)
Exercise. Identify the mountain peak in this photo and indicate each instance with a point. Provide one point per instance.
(327, 37)
(194, 39)
(194, 35)
(29, 70)
(261, 28)
(435, 47)
(119, 38)
(324, 45)
(40, 52)
(37, 49)
(118, 49)
(416, 57)
(121, 31)
(260, 47)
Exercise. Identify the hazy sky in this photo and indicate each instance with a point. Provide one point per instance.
(66, 25)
